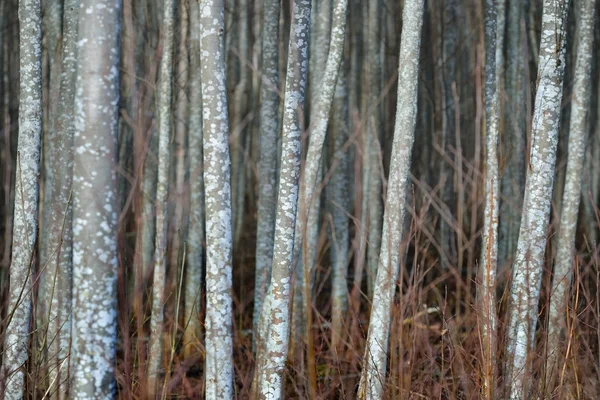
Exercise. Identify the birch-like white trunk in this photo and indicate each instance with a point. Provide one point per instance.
(375, 357)
(159, 296)
(564, 264)
(219, 314)
(95, 201)
(529, 261)
(25, 217)
(308, 206)
(277, 304)
(195, 245)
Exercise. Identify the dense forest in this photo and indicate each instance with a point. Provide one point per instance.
(320, 199)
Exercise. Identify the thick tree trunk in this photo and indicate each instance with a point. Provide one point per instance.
(217, 178)
(95, 201)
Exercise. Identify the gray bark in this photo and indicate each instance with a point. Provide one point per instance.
(95, 201)
(217, 178)
(494, 30)
(56, 253)
(195, 246)
(529, 261)
(277, 304)
(267, 168)
(564, 264)
(25, 217)
(159, 295)
(375, 357)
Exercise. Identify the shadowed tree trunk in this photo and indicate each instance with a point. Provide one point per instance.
(195, 245)
(267, 168)
(494, 31)
(25, 222)
(56, 258)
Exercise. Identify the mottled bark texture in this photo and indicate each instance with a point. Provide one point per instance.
(25, 222)
(267, 167)
(219, 340)
(529, 261)
(195, 244)
(159, 296)
(277, 309)
(494, 18)
(564, 264)
(375, 357)
(95, 200)
(308, 216)
(56, 251)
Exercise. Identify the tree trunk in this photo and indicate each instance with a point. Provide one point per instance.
(56, 257)
(267, 168)
(277, 304)
(162, 190)
(217, 178)
(195, 246)
(529, 261)
(375, 358)
(25, 223)
(564, 264)
(494, 32)
(95, 201)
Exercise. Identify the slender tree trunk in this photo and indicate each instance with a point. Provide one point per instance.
(267, 168)
(159, 296)
(277, 303)
(56, 258)
(25, 222)
(219, 314)
(240, 126)
(449, 48)
(181, 79)
(563, 267)
(339, 206)
(375, 358)
(494, 31)
(529, 262)
(95, 201)
(514, 149)
(372, 166)
(195, 252)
